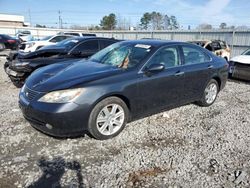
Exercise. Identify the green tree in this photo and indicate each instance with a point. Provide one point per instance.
(156, 20)
(223, 26)
(145, 20)
(109, 22)
(173, 23)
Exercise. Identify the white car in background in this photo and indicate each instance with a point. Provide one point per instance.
(239, 66)
(49, 40)
(78, 34)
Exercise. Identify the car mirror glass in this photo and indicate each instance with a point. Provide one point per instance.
(155, 68)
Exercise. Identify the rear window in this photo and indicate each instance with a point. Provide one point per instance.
(74, 34)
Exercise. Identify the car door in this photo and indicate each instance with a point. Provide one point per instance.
(163, 89)
(198, 68)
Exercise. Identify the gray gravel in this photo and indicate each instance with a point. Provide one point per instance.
(185, 147)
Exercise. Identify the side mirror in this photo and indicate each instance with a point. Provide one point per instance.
(154, 68)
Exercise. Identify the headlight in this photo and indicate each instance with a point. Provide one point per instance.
(29, 45)
(20, 63)
(22, 90)
(62, 96)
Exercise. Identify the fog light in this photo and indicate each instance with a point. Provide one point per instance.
(49, 126)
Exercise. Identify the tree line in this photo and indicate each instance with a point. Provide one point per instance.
(148, 21)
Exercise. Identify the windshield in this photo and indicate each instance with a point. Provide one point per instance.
(122, 55)
(46, 38)
(68, 43)
(247, 52)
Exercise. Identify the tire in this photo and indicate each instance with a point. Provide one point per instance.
(209, 100)
(2, 47)
(100, 130)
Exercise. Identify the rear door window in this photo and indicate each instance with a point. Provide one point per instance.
(194, 55)
(91, 46)
(105, 43)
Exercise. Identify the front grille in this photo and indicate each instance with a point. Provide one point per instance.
(30, 94)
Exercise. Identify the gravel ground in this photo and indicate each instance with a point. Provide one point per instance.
(185, 147)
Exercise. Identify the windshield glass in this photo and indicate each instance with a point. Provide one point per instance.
(122, 55)
(68, 43)
(247, 52)
(46, 38)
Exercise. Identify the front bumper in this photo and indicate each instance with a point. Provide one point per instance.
(240, 71)
(16, 75)
(60, 120)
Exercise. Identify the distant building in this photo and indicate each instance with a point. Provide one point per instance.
(12, 20)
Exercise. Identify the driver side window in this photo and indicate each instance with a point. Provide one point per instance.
(167, 56)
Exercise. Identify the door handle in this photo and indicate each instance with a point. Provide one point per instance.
(179, 73)
(210, 67)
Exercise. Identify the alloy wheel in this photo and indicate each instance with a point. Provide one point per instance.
(110, 119)
(211, 93)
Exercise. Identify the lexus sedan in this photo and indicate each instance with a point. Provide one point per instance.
(121, 83)
(19, 66)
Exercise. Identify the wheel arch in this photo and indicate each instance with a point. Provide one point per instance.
(218, 80)
(118, 95)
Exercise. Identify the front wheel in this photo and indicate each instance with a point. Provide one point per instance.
(108, 118)
(210, 93)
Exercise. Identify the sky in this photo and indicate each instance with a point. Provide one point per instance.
(90, 12)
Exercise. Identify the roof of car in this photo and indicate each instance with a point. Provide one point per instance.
(91, 37)
(153, 42)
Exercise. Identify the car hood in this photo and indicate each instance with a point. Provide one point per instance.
(245, 59)
(41, 53)
(67, 75)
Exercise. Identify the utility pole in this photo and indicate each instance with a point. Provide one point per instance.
(30, 18)
(59, 20)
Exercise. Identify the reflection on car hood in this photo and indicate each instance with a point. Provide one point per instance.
(245, 59)
(41, 52)
(66, 75)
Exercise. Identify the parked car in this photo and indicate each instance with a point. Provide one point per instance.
(19, 66)
(121, 83)
(24, 36)
(219, 47)
(8, 42)
(239, 66)
(78, 34)
(32, 46)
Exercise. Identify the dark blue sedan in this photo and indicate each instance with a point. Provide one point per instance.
(121, 83)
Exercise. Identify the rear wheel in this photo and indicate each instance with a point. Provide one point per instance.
(2, 47)
(210, 93)
(108, 118)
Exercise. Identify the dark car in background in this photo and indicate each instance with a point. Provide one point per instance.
(20, 65)
(8, 42)
(121, 83)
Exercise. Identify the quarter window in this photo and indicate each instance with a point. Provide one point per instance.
(167, 56)
(194, 56)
